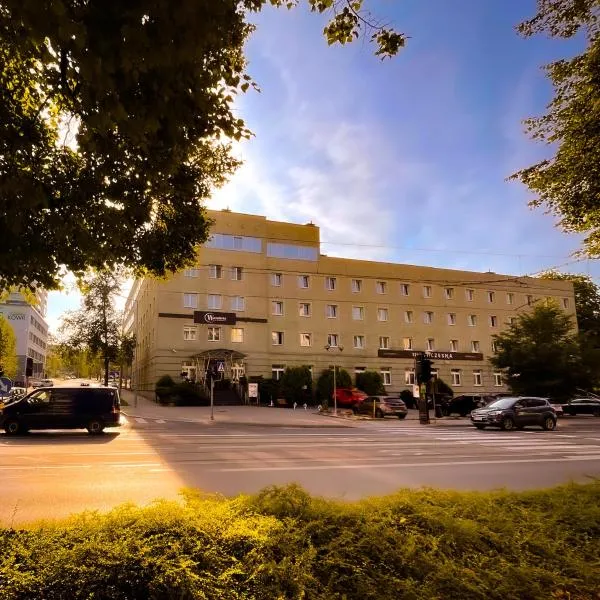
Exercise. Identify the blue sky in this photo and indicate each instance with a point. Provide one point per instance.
(403, 160)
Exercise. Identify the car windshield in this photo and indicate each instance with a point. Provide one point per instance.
(501, 403)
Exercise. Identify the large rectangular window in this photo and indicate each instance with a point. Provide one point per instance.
(237, 273)
(477, 378)
(277, 307)
(215, 271)
(332, 311)
(306, 339)
(214, 334)
(386, 375)
(407, 343)
(215, 301)
(191, 273)
(276, 279)
(189, 333)
(455, 376)
(409, 377)
(277, 371)
(304, 309)
(292, 251)
(330, 283)
(304, 281)
(238, 303)
(356, 285)
(382, 314)
(333, 340)
(358, 313)
(190, 300)
(384, 342)
(237, 335)
(277, 338)
(359, 341)
(225, 241)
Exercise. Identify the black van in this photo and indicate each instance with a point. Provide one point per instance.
(63, 408)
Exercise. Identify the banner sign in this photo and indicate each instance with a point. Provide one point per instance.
(431, 355)
(214, 318)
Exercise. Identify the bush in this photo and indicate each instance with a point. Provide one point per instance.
(269, 389)
(371, 383)
(442, 388)
(187, 394)
(166, 381)
(284, 543)
(407, 397)
(296, 385)
(325, 382)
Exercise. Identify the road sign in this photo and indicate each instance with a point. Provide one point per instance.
(253, 390)
(221, 366)
(5, 385)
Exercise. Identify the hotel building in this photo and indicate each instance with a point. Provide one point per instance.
(261, 297)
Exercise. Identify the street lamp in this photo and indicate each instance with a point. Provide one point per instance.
(341, 349)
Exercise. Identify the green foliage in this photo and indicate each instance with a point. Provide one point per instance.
(568, 184)
(441, 387)
(371, 383)
(165, 381)
(284, 543)
(296, 384)
(325, 382)
(407, 397)
(540, 355)
(8, 349)
(116, 123)
(269, 389)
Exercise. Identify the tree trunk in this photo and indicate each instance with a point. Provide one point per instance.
(106, 364)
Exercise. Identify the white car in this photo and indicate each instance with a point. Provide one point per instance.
(46, 383)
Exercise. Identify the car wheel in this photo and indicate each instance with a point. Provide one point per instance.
(508, 424)
(480, 426)
(549, 424)
(95, 427)
(13, 427)
(401, 416)
(378, 414)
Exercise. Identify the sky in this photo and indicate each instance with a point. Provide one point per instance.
(403, 160)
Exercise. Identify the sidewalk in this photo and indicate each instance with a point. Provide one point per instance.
(263, 415)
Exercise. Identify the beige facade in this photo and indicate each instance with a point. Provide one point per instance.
(291, 303)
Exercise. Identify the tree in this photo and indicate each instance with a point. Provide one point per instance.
(116, 121)
(126, 354)
(587, 304)
(325, 382)
(97, 325)
(371, 383)
(540, 354)
(296, 384)
(568, 184)
(8, 349)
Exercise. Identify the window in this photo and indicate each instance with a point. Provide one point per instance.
(497, 379)
(428, 317)
(409, 377)
(493, 321)
(277, 338)
(384, 342)
(529, 300)
(472, 320)
(426, 291)
(191, 273)
(333, 340)
(565, 303)
(455, 376)
(190, 300)
(359, 341)
(494, 347)
(449, 293)
(306, 339)
(236, 273)
(510, 298)
(381, 287)
(224, 241)
(330, 283)
(238, 303)
(277, 371)
(358, 370)
(358, 313)
(477, 377)
(430, 344)
(277, 307)
(451, 318)
(214, 334)
(304, 309)
(238, 242)
(404, 289)
(475, 347)
(293, 251)
(356, 285)
(491, 296)
(237, 335)
(453, 345)
(331, 311)
(470, 295)
(276, 279)
(304, 281)
(386, 375)
(215, 271)
(214, 301)
(407, 343)
(408, 316)
(189, 333)
(382, 314)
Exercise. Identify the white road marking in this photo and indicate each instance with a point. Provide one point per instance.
(140, 420)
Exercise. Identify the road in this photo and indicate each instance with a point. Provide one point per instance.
(52, 474)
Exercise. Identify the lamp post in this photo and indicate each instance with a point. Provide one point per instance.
(340, 348)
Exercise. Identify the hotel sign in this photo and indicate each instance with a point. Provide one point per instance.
(214, 318)
(431, 355)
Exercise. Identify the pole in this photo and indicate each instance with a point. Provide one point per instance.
(212, 398)
(334, 393)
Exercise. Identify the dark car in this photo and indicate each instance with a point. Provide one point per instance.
(582, 406)
(464, 404)
(382, 406)
(515, 413)
(63, 408)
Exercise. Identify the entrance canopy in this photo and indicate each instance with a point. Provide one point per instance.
(232, 362)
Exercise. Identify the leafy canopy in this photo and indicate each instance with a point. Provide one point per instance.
(8, 349)
(115, 123)
(569, 183)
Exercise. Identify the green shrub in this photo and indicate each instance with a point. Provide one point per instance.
(188, 394)
(166, 381)
(296, 385)
(325, 382)
(407, 397)
(371, 383)
(283, 543)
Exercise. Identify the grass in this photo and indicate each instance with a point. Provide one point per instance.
(284, 543)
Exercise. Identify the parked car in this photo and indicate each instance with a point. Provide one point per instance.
(63, 408)
(36, 383)
(515, 413)
(464, 404)
(582, 406)
(349, 397)
(382, 406)
(46, 383)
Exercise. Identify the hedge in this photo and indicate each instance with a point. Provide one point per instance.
(284, 543)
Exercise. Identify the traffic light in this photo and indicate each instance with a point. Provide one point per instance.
(423, 369)
(29, 367)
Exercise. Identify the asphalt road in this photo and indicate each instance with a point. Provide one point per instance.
(52, 474)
